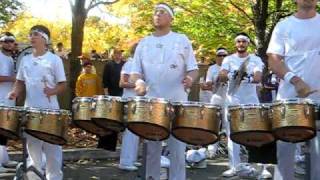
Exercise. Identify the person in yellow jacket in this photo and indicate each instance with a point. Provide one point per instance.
(88, 83)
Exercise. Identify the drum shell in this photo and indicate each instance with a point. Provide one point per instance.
(197, 125)
(317, 116)
(149, 119)
(293, 121)
(82, 112)
(250, 125)
(108, 113)
(10, 121)
(48, 126)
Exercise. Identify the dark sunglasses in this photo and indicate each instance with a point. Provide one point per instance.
(222, 55)
(8, 41)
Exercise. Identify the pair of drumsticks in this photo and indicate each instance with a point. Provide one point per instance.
(45, 83)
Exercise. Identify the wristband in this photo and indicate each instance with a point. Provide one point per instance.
(288, 76)
(139, 81)
(189, 77)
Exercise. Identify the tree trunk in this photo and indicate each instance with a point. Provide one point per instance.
(78, 21)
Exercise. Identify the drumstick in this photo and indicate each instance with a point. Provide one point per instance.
(44, 80)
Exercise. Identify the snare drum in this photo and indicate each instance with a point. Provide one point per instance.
(149, 118)
(82, 110)
(50, 125)
(108, 111)
(293, 120)
(250, 124)
(196, 123)
(10, 121)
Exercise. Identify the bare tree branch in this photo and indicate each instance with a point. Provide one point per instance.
(241, 10)
(93, 5)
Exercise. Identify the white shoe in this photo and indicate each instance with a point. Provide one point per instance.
(3, 170)
(229, 173)
(265, 175)
(137, 164)
(246, 170)
(127, 168)
(10, 164)
(165, 162)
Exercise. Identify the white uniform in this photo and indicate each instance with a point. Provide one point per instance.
(6, 69)
(298, 40)
(130, 142)
(34, 71)
(164, 62)
(246, 94)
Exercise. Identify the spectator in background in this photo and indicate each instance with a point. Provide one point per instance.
(105, 55)
(60, 51)
(88, 83)
(111, 78)
(94, 55)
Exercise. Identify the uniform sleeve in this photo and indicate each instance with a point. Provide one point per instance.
(277, 43)
(259, 65)
(59, 71)
(226, 64)
(209, 77)
(190, 60)
(125, 68)
(20, 74)
(136, 65)
(4, 69)
(79, 86)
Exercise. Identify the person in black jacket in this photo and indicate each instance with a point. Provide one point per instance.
(111, 78)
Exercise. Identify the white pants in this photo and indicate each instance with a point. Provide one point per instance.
(285, 154)
(233, 148)
(177, 169)
(4, 157)
(129, 148)
(53, 155)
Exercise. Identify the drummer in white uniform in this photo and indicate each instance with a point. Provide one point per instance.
(7, 78)
(294, 56)
(130, 141)
(42, 75)
(168, 66)
(245, 94)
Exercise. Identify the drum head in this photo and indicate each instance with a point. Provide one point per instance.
(252, 138)
(294, 134)
(91, 127)
(195, 136)
(149, 131)
(49, 138)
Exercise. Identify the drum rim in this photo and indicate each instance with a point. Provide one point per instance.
(21, 108)
(246, 106)
(138, 99)
(210, 105)
(159, 100)
(191, 104)
(294, 101)
(82, 99)
(111, 98)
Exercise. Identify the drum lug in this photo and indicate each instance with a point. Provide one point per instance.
(242, 115)
(110, 106)
(150, 109)
(283, 112)
(202, 113)
(93, 106)
(133, 108)
(306, 110)
(218, 115)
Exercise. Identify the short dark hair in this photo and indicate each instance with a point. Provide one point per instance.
(7, 34)
(60, 44)
(41, 28)
(243, 34)
(221, 48)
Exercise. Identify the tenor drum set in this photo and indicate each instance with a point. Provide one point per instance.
(196, 123)
(290, 120)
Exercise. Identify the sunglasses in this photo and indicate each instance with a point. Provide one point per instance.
(8, 41)
(222, 55)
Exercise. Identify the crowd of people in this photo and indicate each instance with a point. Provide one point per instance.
(163, 65)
